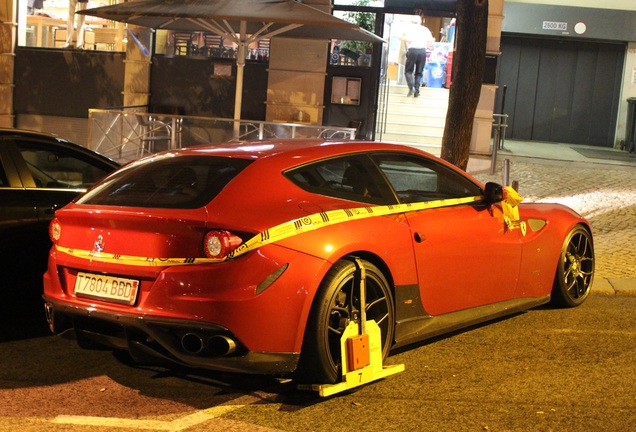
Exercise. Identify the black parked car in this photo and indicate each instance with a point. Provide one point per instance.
(39, 173)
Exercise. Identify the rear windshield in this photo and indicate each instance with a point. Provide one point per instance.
(167, 182)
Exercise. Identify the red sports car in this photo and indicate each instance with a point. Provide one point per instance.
(245, 257)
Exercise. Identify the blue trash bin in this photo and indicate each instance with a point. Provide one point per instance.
(435, 74)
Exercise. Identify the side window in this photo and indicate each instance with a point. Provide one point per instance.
(418, 179)
(167, 182)
(56, 168)
(352, 178)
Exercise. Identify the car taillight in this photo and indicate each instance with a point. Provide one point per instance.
(55, 230)
(218, 244)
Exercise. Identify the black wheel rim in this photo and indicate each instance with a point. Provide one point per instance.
(578, 266)
(345, 307)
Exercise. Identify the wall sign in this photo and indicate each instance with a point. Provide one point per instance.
(554, 25)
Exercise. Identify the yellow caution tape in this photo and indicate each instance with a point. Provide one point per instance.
(300, 225)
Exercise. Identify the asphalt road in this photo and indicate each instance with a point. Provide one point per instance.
(542, 370)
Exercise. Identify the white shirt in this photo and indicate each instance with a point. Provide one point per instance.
(418, 36)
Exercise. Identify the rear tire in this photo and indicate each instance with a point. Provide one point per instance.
(575, 271)
(336, 304)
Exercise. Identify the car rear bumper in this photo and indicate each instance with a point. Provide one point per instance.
(189, 343)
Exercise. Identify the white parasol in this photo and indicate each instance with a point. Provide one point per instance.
(241, 21)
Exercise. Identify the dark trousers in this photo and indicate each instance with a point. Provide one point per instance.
(415, 61)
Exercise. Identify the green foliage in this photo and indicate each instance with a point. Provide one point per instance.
(366, 20)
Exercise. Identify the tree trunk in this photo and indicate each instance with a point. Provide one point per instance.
(468, 71)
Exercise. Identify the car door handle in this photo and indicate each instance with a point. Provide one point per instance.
(419, 238)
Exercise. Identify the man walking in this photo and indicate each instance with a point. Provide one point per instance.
(418, 38)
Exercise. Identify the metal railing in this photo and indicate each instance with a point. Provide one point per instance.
(130, 132)
(499, 124)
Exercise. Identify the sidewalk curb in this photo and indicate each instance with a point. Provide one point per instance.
(614, 286)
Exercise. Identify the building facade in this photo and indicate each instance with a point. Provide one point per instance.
(570, 69)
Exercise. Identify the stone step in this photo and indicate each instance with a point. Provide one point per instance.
(425, 92)
(418, 122)
(426, 110)
(410, 138)
(421, 101)
(414, 129)
(423, 117)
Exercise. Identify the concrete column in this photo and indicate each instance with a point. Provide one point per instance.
(296, 80)
(297, 70)
(8, 26)
(137, 66)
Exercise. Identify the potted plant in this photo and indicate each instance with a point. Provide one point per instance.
(358, 50)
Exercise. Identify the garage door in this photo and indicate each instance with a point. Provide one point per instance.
(561, 91)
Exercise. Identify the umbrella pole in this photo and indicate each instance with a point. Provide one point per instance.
(240, 67)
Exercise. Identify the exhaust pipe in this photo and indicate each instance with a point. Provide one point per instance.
(221, 345)
(192, 343)
(216, 346)
(48, 310)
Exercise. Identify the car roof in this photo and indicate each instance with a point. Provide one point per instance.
(25, 133)
(269, 147)
(30, 133)
(282, 154)
(300, 150)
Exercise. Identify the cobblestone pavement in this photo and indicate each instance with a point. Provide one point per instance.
(604, 194)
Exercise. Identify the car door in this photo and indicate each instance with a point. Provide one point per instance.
(465, 256)
(42, 176)
(17, 212)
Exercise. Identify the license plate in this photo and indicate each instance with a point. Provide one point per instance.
(109, 288)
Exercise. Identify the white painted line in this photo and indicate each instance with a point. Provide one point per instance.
(174, 425)
(114, 422)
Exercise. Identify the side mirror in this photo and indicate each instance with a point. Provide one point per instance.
(493, 193)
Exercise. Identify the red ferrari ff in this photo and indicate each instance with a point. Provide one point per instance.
(245, 257)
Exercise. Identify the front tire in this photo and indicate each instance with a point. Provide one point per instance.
(575, 271)
(337, 303)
